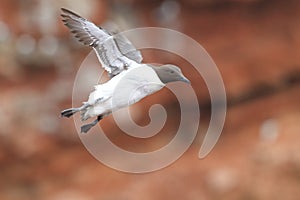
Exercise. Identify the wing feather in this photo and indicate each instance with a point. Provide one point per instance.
(115, 52)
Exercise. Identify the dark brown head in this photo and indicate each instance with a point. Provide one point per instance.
(170, 73)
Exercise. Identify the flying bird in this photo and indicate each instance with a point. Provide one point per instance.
(131, 80)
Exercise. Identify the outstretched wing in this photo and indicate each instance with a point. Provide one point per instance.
(115, 52)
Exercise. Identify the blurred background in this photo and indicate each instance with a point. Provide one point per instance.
(255, 44)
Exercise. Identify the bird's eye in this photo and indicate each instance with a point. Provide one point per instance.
(172, 72)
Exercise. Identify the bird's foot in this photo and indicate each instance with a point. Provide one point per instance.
(85, 128)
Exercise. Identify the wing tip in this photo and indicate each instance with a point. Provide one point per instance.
(67, 13)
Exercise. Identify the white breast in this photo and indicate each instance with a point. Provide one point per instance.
(124, 89)
(136, 84)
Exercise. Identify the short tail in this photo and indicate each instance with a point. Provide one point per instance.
(69, 112)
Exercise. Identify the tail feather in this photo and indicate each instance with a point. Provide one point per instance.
(69, 112)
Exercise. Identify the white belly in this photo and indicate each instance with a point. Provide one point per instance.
(123, 90)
